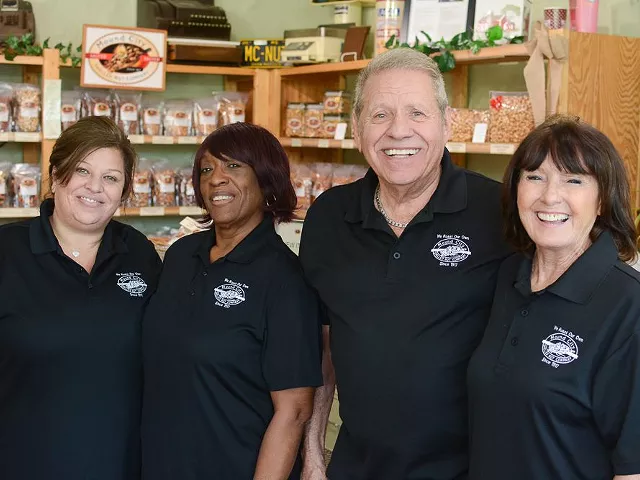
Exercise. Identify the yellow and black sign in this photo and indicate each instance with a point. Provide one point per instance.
(261, 53)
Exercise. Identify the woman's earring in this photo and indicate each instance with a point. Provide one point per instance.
(272, 202)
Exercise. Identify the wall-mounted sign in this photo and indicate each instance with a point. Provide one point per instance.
(128, 58)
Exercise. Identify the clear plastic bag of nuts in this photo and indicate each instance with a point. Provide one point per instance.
(511, 117)
(302, 179)
(127, 106)
(152, 116)
(5, 190)
(6, 97)
(232, 107)
(141, 195)
(337, 103)
(313, 117)
(27, 107)
(295, 120)
(70, 108)
(25, 179)
(205, 116)
(322, 178)
(187, 193)
(98, 103)
(164, 184)
(464, 121)
(178, 118)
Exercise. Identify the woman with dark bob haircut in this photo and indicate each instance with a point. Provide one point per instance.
(232, 339)
(554, 387)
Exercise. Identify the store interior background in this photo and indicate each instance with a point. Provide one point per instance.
(62, 20)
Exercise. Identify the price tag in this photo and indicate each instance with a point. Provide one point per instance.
(296, 142)
(4, 137)
(188, 140)
(151, 211)
(186, 211)
(341, 131)
(456, 147)
(348, 144)
(19, 212)
(136, 139)
(324, 143)
(480, 133)
(502, 149)
(26, 137)
(161, 140)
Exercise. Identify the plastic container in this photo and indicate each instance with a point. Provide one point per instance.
(584, 15)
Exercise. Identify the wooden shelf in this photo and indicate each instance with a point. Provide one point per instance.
(121, 212)
(20, 137)
(22, 60)
(503, 53)
(164, 140)
(159, 212)
(348, 144)
(210, 70)
(8, 212)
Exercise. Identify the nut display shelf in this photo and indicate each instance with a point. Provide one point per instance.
(20, 137)
(164, 140)
(123, 212)
(453, 147)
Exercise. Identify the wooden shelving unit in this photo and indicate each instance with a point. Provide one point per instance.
(123, 212)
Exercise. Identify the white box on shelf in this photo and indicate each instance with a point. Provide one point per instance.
(291, 233)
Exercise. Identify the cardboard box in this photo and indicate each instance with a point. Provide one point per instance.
(514, 16)
(261, 53)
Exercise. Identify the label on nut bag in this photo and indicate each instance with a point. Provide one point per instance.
(480, 132)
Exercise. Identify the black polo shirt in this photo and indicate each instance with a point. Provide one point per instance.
(70, 360)
(555, 385)
(218, 338)
(406, 313)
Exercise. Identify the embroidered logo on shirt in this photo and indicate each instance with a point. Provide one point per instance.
(451, 249)
(132, 283)
(561, 347)
(229, 293)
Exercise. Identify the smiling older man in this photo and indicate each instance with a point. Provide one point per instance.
(405, 263)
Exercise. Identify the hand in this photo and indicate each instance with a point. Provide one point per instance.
(313, 473)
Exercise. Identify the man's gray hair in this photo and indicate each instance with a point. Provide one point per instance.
(402, 59)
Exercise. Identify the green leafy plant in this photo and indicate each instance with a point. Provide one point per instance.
(26, 45)
(442, 49)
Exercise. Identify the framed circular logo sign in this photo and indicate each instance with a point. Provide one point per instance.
(128, 58)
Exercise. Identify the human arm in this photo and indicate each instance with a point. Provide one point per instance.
(292, 409)
(316, 429)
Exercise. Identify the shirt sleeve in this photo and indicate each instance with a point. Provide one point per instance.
(616, 404)
(291, 356)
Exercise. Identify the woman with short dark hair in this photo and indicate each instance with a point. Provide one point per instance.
(74, 286)
(554, 387)
(232, 339)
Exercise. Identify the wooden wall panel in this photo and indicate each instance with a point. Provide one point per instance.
(604, 90)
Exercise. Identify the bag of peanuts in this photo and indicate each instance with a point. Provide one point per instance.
(187, 193)
(151, 117)
(322, 178)
(341, 175)
(178, 118)
(232, 107)
(302, 179)
(27, 105)
(5, 190)
(295, 120)
(358, 172)
(164, 184)
(141, 185)
(464, 121)
(26, 185)
(313, 120)
(337, 103)
(127, 106)
(205, 119)
(6, 98)
(511, 117)
(70, 108)
(98, 103)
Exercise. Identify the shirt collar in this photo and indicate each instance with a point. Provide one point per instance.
(450, 197)
(248, 248)
(582, 278)
(43, 240)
